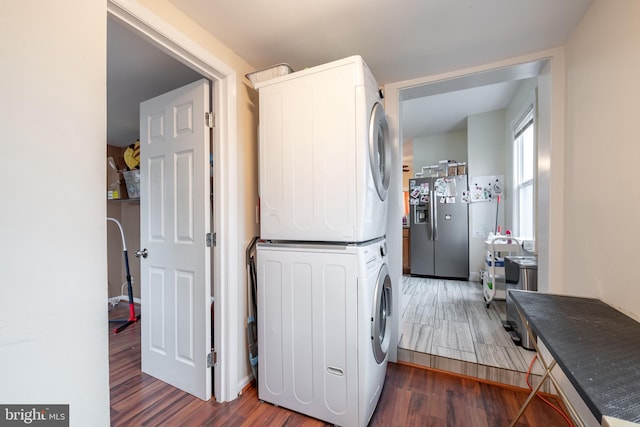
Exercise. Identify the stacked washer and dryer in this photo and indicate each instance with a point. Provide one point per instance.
(324, 291)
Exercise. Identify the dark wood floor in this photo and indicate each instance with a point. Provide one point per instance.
(411, 397)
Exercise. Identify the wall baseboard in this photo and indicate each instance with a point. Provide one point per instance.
(475, 276)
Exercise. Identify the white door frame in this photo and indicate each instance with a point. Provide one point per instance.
(225, 264)
(550, 214)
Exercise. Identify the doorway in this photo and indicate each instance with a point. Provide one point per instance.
(161, 35)
(550, 97)
(136, 72)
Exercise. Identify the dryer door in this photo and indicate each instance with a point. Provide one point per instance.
(381, 322)
(379, 150)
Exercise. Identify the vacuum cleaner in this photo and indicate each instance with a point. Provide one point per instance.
(252, 306)
(133, 318)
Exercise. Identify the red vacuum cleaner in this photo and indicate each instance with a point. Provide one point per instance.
(133, 318)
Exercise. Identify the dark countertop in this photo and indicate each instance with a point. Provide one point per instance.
(597, 347)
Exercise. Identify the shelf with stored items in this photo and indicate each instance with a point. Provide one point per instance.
(493, 279)
(122, 185)
(135, 200)
(123, 173)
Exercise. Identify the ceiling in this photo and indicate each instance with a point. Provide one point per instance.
(447, 112)
(399, 40)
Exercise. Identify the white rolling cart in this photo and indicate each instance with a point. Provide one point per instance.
(498, 246)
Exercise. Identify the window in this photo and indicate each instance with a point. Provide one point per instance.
(524, 149)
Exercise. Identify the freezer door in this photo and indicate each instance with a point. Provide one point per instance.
(420, 218)
(452, 243)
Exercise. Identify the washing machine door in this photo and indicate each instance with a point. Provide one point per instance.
(381, 321)
(379, 150)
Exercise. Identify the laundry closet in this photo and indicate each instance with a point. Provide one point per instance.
(176, 304)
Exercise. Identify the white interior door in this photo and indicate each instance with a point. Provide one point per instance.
(175, 214)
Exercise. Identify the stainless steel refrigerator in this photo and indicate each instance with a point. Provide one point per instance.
(439, 226)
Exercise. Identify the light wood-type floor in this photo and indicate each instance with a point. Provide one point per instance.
(411, 397)
(446, 325)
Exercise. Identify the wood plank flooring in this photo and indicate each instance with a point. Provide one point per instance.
(446, 325)
(411, 397)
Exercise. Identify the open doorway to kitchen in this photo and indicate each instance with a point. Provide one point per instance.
(444, 323)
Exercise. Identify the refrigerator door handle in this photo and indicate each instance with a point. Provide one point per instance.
(434, 216)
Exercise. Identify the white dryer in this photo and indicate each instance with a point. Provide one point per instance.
(324, 328)
(324, 155)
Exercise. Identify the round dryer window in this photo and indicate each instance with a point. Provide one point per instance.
(379, 150)
(382, 302)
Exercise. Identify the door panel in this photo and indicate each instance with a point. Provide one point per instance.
(155, 198)
(156, 315)
(175, 216)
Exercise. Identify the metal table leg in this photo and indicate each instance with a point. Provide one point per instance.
(547, 374)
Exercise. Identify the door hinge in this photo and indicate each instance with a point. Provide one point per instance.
(212, 359)
(210, 119)
(211, 239)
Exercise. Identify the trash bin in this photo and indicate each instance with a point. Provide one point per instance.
(521, 273)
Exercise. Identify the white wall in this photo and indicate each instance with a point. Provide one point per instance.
(601, 224)
(486, 157)
(598, 255)
(53, 261)
(428, 151)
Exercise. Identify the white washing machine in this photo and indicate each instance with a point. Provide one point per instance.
(324, 328)
(325, 155)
